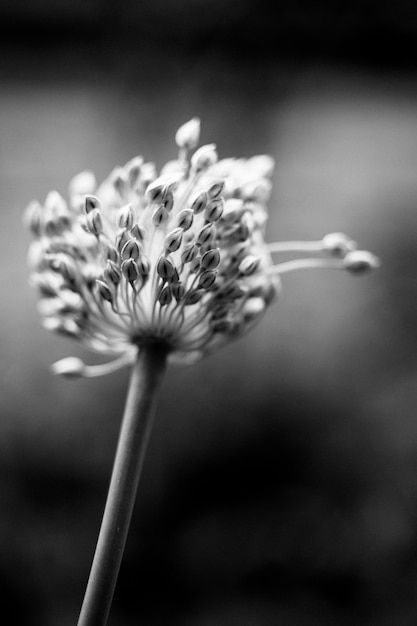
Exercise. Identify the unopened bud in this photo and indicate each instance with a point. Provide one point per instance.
(33, 217)
(195, 265)
(156, 191)
(138, 232)
(121, 239)
(204, 157)
(165, 297)
(70, 367)
(360, 262)
(91, 202)
(189, 254)
(185, 219)
(252, 308)
(133, 168)
(207, 279)
(223, 325)
(94, 222)
(194, 296)
(262, 164)
(259, 191)
(144, 266)
(82, 184)
(214, 210)
(173, 240)
(130, 270)
(165, 268)
(126, 217)
(338, 244)
(210, 259)
(199, 203)
(68, 269)
(160, 215)
(188, 134)
(119, 180)
(178, 291)
(249, 265)
(168, 201)
(206, 234)
(112, 273)
(111, 253)
(130, 250)
(233, 210)
(215, 189)
(104, 290)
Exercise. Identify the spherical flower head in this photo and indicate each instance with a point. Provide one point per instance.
(178, 258)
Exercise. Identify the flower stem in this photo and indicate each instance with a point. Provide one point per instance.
(146, 378)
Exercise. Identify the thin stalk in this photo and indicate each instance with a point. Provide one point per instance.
(145, 381)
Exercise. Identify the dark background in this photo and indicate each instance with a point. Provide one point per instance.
(280, 485)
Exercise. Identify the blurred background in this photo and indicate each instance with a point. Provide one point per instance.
(280, 485)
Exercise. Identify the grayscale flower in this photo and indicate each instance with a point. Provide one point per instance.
(178, 258)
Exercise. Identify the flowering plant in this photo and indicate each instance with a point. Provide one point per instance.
(153, 268)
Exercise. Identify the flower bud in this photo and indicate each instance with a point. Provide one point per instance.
(252, 308)
(70, 367)
(206, 234)
(338, 244)
(199, 203)
(119, 180)
(82, 184)
(249, 265)
(263, 165)
(165, 268)
(138, 232)
(188, 134)
(160, 215)
(144, 266)
(189, 254)
(91, 202)
(233, 210)
(194, 296)
(215, 189)
(165, 297)
(223, 325)
(169, 201)
(214, 210)
(130, 250)
(173, 240)
(104, 290)
(112, 273)
(111, 253)
(178, 291)
(68, 269)
(126, 216)
(360, 261)
(121, 239)
(130, 270)
(33, 217)
(156, 191)
(207, 279)
(211, 259)
(204, 157)
(133, 168)
(94, 222)
(195, 265)
(185, 219)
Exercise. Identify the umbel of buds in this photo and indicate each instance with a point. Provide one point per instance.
(177, 257)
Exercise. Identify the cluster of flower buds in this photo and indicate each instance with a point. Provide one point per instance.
(177, 258)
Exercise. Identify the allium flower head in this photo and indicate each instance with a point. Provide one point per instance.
(178, 258)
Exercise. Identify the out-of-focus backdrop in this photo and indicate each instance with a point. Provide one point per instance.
(281, 481)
